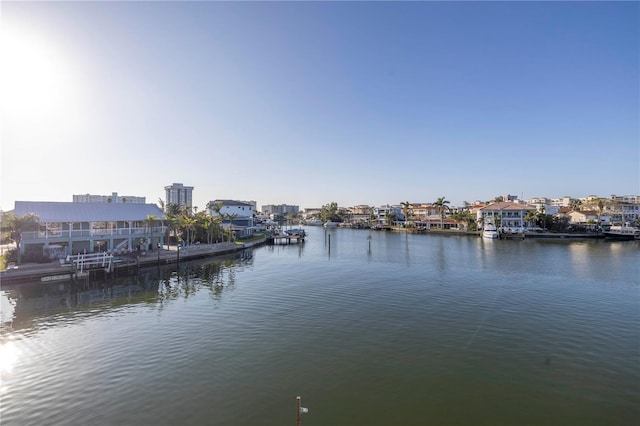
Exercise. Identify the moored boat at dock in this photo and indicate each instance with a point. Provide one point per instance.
(622, 232)
(490, 232)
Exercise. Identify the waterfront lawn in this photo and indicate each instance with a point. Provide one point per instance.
(255, 237)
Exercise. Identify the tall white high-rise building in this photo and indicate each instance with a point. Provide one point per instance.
(179, 194)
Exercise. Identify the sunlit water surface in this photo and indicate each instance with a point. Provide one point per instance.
(395, 330)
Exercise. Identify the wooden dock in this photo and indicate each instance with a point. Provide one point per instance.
(87, 267)
(285, 239)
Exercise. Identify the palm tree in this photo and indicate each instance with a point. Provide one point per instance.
(151, 220)
(467, 218)
(16, 225)
(575, 204)
(216, 207)
(497, 220)
(543, 212)
(600, 210)
(172, 214)
(211, 224)
(532, 216)
(231, 217)
(406, 210)
(188, 223)
(389, 217)
(441, 203)
(370, 210)
(329, 212)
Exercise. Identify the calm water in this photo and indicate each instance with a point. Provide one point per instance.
(419, 330)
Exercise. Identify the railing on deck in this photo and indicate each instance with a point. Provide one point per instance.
(31, 236)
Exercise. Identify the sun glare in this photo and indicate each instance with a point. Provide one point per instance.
(35, 79)
(8, 356)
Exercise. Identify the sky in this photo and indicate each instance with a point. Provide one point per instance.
(308, 103)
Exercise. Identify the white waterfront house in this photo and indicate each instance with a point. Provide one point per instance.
(241, 211)
(504, 214)
(380, 213)
(91, 227)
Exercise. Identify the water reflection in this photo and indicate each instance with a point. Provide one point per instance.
(9, 354)
(441, 257)
(30, 307)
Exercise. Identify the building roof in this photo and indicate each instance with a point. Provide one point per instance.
(227, 203)
(506, 205)
(51, 211)
(584, 212)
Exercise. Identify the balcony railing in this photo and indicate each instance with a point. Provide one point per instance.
(31, 236)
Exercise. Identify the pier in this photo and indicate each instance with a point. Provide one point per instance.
(292, 236)
(95, 264)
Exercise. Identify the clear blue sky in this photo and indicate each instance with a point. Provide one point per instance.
(309, 103)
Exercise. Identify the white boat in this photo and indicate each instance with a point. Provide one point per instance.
(315, 222)
(330, 224)
(490, 232)
(296, 232)
(622, 232)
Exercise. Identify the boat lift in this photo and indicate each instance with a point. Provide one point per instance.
(87, 261)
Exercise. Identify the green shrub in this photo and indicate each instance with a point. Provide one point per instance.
(11, 255)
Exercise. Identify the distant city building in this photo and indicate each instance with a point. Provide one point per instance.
(280, 211)
(113, 198)
(179, 194)
(561, 202)
(631, 199)
(507, 198)
(544, 205)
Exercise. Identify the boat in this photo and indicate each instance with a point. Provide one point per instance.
(315, 222)
(331, 224)
(490, 232)
(295, 232)
(622, 232)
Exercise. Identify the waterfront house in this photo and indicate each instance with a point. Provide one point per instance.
(582, 217)
(242, 213)
(423, 211)
(380, 213)
(623, 212)
(311, 212)
(91, 227)
(438, 223)
(505, 214)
